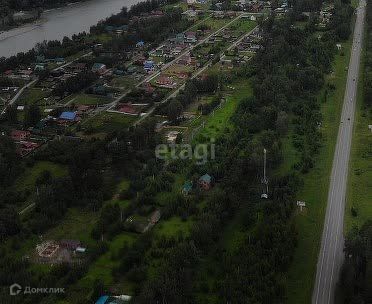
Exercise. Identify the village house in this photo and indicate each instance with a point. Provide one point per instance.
(180, 39)
(26, 147)
(99, 68)
(205, 182)
(78, 67)
(19, 135)
(185, 59)
(190, 37)
(187, 188)
(67, 117)
(149, 66)
(140, 44)
(149, 89)
(70, 244)
(128, 108)
(166, 82)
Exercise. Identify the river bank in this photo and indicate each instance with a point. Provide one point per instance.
(59, 22)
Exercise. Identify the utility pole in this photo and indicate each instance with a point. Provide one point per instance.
(264, 179)
(264, 169)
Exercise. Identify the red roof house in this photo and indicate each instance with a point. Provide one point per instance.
(18, 135)
(127, 108)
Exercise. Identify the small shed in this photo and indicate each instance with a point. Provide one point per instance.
(205, 182)
(187, 188)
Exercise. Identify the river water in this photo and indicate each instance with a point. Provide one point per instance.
(57, 23)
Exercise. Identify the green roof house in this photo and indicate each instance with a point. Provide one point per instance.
(187, 188)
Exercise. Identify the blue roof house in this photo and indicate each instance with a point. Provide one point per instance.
(148, 65)
(68, 116)
(102, 300)
(140, 44)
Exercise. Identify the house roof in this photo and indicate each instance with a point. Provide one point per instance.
(98, 66)
(126, 108)
(206, 178)
(187, 186)
(148, 63)
(68, 116)
(18, 133)
(102, 300)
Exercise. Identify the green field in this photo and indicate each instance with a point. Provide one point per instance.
(124, 82)
(301, 275)
(212, 23)
(85, 99)
(359, 194)
(108, 122)
(33, 96)
(216, 122)
(76, 225)
(102, 267)
(173, 227)
(243, 25)
(28, 179)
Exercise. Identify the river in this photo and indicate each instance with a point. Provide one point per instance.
(57, 23)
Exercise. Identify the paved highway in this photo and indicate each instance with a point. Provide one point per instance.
(331, 252)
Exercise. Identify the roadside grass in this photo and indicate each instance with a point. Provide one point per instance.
(301, 274)
(28, 179)
(359, 195)
(86, 99)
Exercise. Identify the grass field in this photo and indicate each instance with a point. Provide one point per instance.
(212, 23)
(102, 267)
(359, 194)
(76, 225)
(33, 96)
(301, 274)
(124, 82)
(173, 227)
(244, 25)
(85, 99)
(109, 122)
(28, 179)
(215, 123)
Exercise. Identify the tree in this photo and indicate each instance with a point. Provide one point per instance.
(11, 115)
(174, 110)
(32, 116)
(282, 122)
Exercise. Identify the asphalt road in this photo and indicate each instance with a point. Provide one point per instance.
(331, 252)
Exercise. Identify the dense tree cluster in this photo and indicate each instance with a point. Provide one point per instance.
(150, 30)
(368, 60)
(354, 284)
(75, 84)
